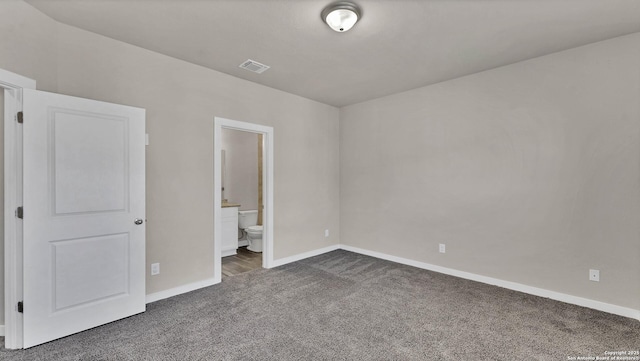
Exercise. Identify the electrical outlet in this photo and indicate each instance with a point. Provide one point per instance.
(155, 269)
(326, 233)
(442, 248)
(594, 275)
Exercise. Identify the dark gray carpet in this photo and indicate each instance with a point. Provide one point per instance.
(345, 306)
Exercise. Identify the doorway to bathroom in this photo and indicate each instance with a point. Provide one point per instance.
(243, 194)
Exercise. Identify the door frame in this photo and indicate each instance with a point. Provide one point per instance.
(13, 84)
(267, 182)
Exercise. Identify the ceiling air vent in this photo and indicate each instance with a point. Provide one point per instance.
(254, 66)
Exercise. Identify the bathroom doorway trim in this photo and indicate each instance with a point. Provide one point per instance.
(267, 184)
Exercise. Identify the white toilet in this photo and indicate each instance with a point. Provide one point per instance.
(255, 238)
(247, 222)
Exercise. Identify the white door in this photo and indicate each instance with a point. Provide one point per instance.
(84, 179)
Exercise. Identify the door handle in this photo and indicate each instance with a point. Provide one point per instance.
(138, 221)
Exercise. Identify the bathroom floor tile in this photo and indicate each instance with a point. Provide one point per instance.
(242, 262)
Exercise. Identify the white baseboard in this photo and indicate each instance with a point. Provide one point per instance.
(153, 297)
(580, 301)
(210, 282)
(301, 256)
(229, 252)
(2, 330)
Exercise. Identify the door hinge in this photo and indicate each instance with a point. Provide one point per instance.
(20, 212)
(20, 117)
(20, 307)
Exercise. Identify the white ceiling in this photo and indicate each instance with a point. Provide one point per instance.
(398, 44)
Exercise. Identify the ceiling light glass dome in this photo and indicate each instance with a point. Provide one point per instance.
(341, 16)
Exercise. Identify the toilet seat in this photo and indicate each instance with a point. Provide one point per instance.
(254, 229)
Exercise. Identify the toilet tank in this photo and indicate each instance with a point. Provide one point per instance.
(247, 218)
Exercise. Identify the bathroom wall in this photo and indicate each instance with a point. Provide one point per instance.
(528, 173)
(241, 175)
(182, 100)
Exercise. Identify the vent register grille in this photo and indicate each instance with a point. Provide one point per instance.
(254, 66)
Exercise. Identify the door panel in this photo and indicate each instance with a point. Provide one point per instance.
(84, 258)
(80, 283)
(81, 183)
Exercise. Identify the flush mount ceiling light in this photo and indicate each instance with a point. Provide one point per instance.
(341, 16)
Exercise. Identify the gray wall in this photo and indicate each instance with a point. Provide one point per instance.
(528, 173)
(28, 43)
(241, 173)
(181, 100)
